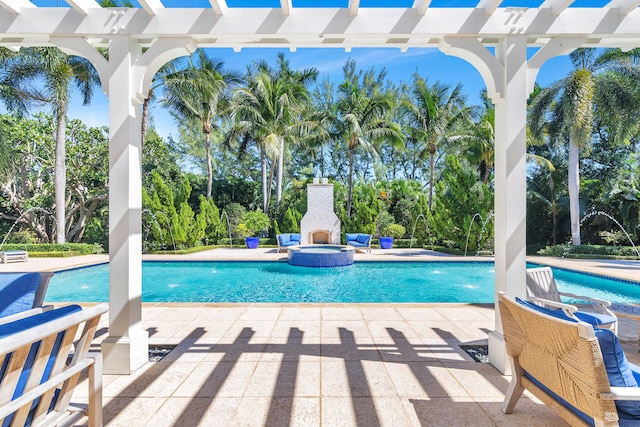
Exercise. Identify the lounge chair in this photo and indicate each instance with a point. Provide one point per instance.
(40, 367)
(542, 289)
(361, 242)
(20, 292)
(582, 374)
(14, 256)
(287, 240)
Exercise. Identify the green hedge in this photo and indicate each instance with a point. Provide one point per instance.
(589, 251)
(42, 248)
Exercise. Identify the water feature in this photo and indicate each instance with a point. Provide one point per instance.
(224, 214)
(483, 232)
(426, 224)
(152, 215)
(18, 220)
(469, 231)
(594, 213)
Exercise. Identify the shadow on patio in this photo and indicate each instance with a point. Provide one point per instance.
(314, 373)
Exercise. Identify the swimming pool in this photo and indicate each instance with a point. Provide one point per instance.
(232, 281)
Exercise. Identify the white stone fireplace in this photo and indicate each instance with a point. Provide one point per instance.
(320, 225)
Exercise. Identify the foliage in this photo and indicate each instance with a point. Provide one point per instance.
(27, 190)
(291, 221)
(76, 248)
(251, 223)
(459, 197)
(596, 250)
(396, 231)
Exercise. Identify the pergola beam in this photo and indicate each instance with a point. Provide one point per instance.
(489, 6)
(316, 27)
(625, 6)
(14, 6)
(219, 6)
(421, 6)
(353, 7)
(556, 6)
(286, 7)
(83, 6)
(151, 6)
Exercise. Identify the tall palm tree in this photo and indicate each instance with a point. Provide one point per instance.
(268, 112)
(58, 73)
(433, 112)
(200, 92)
(565, 111)
(363, 117)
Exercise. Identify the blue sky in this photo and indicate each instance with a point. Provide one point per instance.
(428, 62)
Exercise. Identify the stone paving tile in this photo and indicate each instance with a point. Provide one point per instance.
(221, 379)
(128, 412)
(195, 411)
(341, 313)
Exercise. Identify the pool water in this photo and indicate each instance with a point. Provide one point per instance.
(229, 281)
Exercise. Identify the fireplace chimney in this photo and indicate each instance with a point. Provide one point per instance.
(320, 221)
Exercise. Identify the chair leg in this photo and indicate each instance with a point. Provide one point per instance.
(95, 391)
(515, 388)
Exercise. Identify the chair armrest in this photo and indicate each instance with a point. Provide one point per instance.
(599, 304)
(622, 393)
(568, 309)
(23, 314)
(599, 301)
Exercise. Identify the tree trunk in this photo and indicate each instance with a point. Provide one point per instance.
(574, 192)
(60, 175)
(207, 147)
(350, 193)
(280, 173)
(263, 171)
(432, 167)
(145, 119)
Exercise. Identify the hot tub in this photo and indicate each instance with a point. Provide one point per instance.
(321, 255)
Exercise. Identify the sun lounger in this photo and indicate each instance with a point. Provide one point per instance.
(14, 256)
(20, 292)
(542, 289)
(40, 367)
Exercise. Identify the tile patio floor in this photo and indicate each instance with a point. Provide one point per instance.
(318, 365)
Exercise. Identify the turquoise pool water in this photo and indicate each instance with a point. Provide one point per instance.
(280, 282)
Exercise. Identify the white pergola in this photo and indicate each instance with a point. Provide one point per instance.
(493, 39)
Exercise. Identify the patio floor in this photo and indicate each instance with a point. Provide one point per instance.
(317, 365)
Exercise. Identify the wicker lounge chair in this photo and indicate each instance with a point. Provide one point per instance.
(580, 373)
(20, 292)
(542, 289)
(40, 367)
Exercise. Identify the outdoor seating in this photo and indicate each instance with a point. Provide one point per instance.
(581, 373)
(287, 240)
(20, 292)
(542, 289)
(41, 367)
(14, 256)
(360, 241)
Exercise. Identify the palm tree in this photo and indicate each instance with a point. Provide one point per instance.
(363, 116)
(200, 92)
(565, 110)
(268, 111)
(58, 73)
(433, 112)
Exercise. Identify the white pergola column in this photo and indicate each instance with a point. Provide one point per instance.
(505, 76)
(510, 183)
(126, 347)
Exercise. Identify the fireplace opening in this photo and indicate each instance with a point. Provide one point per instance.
(320, 237)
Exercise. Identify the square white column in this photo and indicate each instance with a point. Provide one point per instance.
(126, 347)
